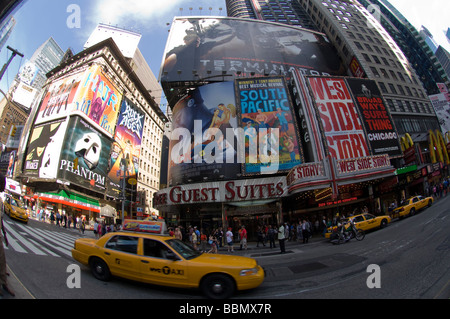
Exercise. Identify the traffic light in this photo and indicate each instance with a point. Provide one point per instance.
(13, 131)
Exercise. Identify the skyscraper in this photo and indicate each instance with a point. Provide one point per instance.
(409, 40)
(282, 11)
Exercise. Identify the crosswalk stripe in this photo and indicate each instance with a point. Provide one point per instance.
(24, 241)
(47, 237)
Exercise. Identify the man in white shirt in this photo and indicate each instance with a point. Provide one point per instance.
(281, 238)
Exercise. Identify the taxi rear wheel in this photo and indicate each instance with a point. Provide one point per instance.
(100, 269)
(217, 286)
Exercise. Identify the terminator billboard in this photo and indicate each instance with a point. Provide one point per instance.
(200, 47)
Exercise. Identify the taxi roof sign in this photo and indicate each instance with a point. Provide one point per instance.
(145, 226)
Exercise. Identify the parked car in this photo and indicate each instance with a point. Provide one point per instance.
(166, 261)
(410, 206)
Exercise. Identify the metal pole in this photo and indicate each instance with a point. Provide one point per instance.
(14, 53)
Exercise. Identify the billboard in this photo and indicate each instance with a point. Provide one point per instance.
(341, 125)
(375, 116)
(57, 102)
(43, 151)
(267, 119)
(99, 99)
(442, 108)
(84, 155)
(127, 145)
(202, 47)
(90, 93)
(203, 140)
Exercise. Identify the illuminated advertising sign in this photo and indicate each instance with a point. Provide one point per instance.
(98, 99)
(90, 93)
(375, 116)
(44, 147)
(203, 138)
(127, 145)
(202, 47)
(341, 125)
(267, 119)
(84, 155)
(57, 102)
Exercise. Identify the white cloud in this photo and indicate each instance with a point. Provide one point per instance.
(133, 12)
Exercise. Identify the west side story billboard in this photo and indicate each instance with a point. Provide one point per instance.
(201, 47)
(354, 118)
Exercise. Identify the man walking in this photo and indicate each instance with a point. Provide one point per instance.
(281, 239)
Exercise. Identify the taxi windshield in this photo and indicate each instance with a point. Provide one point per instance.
(17, 203)
(188, 252)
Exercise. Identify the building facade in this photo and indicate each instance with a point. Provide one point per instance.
(107, 116)
(419, 54)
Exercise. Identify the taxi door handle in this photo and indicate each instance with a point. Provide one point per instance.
(145, 261)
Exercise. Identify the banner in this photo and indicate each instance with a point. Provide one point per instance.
(57, 102)
(442, 108)
(376, 117)
(90, 93)
(44, 148)
(341, 125)
(206, 47)
(127, 146)
(99, 99)
(267, 119)
(84, 155)
(203, 143)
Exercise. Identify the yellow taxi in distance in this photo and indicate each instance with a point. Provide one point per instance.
(14, 208)
(364, 222)
(410, 206)
(166, 261)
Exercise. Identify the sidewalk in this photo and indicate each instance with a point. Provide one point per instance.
(254, 251)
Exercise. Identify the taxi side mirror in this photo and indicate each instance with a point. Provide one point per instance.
(171, 255)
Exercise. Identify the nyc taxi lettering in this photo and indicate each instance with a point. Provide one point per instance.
(168, 271)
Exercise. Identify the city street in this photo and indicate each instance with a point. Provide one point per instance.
(411, 258)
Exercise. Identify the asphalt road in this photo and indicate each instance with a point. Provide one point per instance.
(409, 259)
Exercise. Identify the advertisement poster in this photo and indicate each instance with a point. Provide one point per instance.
(205, 47)
(43, 151)
(84, 155)
(376, 117)
(57, 102)
(99, 99)
(127, 146)
(267, 118)
(442, 108)
(342, 126)
(203, 139)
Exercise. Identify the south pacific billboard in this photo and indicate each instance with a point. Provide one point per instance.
(342, 127)
(84, 155)
(267, 119)
(126, 146)
(207, 48)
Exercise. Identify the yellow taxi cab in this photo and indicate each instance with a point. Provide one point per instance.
(15, 208)
(166, 261)
(410, 206)
(364, 222)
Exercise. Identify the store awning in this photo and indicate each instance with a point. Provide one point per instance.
(70, 199)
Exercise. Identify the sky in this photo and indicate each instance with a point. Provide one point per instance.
(37, 20)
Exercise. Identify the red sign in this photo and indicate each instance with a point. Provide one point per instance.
(340, 120)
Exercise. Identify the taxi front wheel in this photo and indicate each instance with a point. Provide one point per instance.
(217, 286)
(100, 269)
